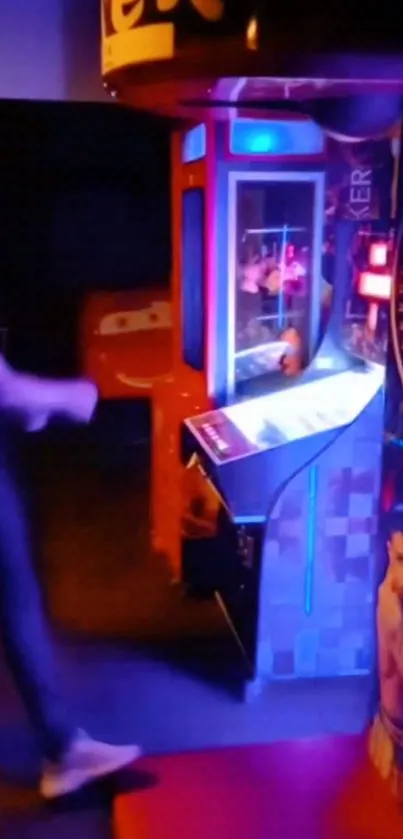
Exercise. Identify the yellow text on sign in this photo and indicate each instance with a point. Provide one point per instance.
(144, 43)
(127, 13)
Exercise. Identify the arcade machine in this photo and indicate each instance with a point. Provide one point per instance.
(295, 474)
(267, 431)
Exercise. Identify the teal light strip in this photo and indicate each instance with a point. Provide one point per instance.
(249, 519)
(311, 538)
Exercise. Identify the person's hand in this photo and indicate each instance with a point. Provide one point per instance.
(81, 400)
(34, 401)
(4, 371)
(74, 400)
(35, 422)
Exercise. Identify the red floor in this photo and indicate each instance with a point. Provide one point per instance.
(321, 789)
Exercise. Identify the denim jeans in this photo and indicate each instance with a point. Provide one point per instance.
(23, 626)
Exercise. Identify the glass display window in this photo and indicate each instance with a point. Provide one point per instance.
(275, 242)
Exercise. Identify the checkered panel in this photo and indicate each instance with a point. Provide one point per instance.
(337, 637)
(283, 574)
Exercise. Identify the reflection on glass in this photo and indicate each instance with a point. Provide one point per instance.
(274, 258)
(297, 412)
(366, 315)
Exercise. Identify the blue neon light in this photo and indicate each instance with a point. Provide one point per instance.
(275, 137)
(194, 144)
(311, 538)
(395, 441)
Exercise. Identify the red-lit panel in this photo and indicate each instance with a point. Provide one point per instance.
(378, 254)
(375, 286)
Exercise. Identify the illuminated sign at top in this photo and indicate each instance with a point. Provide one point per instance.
(244, 24)
(124, 14)
(138, 31)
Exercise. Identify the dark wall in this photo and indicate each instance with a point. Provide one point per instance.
(84, 195)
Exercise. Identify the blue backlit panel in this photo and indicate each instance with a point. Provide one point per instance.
(275, 137)
(282, 417)
(194, 144)
(313, 407)
(193, 278)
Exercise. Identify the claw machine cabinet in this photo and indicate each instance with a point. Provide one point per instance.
(247, 215)
(294, 461)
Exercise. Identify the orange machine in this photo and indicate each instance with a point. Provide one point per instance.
(126, 341)
(185, 390)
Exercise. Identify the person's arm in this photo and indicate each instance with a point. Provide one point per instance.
(395, 646)
(35, 400)
(389, 631)
(388, 619)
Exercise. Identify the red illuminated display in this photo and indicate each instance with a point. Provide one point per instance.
(375, 286)
(378, 254)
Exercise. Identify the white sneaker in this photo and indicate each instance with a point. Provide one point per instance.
(85, 761)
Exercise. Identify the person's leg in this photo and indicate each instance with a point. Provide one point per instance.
(23, 626)
(72, 759)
